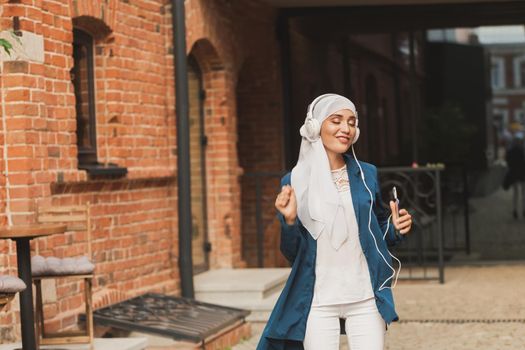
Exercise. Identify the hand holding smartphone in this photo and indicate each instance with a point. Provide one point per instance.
(396, 199)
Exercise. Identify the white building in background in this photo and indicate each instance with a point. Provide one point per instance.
(452, 35)
(506, 45)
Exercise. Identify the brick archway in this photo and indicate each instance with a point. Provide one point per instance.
(105, 11)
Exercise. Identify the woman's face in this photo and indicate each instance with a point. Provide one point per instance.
(338, 131)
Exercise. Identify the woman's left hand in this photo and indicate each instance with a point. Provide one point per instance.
(403, 221)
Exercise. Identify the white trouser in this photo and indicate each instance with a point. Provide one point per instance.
(365, 328)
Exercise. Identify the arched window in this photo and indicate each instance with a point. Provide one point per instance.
(82, 76)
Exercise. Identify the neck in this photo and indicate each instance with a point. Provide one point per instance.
(336, 160)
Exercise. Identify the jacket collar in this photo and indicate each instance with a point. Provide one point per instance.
(351, 164)
(356, 188)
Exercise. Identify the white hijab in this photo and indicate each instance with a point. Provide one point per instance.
(318, 203)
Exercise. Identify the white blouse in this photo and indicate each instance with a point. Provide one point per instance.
(342, 275)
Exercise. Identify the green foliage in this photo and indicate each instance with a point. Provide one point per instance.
(446, 134)
(6, 45)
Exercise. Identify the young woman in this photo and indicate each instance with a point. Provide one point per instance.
(335, 233)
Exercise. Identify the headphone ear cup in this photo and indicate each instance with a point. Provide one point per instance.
(317, 127)
(313, 128)
(357, 132)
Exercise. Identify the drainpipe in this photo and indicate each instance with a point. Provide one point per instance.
(183, 147)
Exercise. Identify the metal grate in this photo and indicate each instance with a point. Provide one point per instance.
(174, 317)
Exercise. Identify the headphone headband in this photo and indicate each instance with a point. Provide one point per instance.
(311, 107)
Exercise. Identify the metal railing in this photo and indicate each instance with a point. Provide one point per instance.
(456, 208)
(424, 252)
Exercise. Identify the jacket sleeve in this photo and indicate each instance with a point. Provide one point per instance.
(392, 236)
(290, 234)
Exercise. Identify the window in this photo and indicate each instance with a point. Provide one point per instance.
(497, 73)
(519, 71)
(500, 119)
(519, 116)
(83, 80)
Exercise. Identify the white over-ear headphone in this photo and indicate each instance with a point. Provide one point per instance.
(357, 130)
(312, 125)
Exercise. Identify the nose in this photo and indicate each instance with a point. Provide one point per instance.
(345, 128)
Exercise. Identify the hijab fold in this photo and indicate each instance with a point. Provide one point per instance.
(319, 206)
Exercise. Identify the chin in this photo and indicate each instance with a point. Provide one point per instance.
(344, 150)
(339, 148)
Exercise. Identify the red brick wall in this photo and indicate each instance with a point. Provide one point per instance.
(134, 220)
(242, 84)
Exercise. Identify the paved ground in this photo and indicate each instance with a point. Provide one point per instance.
(487, 299)
(496, 235)
(482, 303)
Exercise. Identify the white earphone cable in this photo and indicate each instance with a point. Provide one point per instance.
(384, 235)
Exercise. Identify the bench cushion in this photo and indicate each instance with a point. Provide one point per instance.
(11, 284)
(53, 266)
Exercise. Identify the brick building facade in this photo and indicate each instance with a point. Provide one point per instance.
(134, 217)
(55, 126)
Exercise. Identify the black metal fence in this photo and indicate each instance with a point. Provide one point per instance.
(456, 214)
(419, 191)
(436, 197)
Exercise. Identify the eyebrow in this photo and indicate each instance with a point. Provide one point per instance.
(335, 115)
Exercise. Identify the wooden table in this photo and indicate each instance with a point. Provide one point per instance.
(22, 235)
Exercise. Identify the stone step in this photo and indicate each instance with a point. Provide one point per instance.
(240, 284)
(251, 289)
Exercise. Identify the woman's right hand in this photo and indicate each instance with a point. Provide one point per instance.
(287, 204)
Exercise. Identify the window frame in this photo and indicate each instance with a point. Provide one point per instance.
(518, 83)
(499, 62)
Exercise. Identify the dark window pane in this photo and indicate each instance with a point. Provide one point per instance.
(522, 74)
(83, 81)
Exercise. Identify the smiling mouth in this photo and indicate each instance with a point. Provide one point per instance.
(343, 139)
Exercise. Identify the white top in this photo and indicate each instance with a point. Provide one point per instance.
(342, 275)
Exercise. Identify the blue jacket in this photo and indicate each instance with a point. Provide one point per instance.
(287, 324)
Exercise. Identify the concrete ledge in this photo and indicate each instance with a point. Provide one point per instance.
(99, 344)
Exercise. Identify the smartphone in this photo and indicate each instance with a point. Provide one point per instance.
(396, 200)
